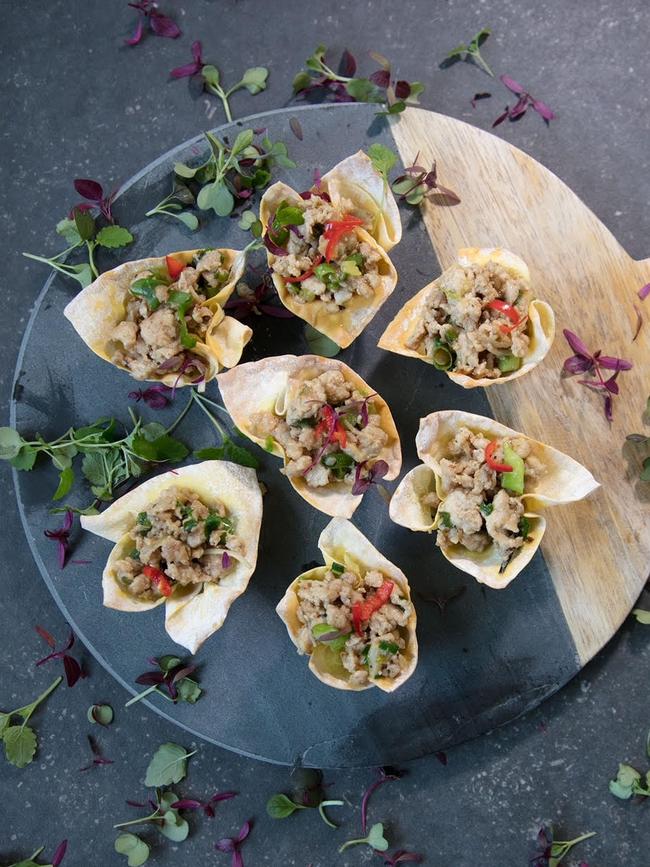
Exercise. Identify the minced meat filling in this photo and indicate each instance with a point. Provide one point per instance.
(164, 317)
(352, 271)
(464, 332)
(477, 509)
(331, 432)
(378, 650)
(177, 541)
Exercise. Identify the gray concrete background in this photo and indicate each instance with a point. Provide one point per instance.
(79, 103)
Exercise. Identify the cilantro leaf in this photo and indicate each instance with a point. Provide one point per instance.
(113, 237)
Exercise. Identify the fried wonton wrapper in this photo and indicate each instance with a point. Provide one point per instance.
(262, 386)
(564, 481)
(192, 613)
(341, 542)
(100, 307)
(355, 181)
(540, 327)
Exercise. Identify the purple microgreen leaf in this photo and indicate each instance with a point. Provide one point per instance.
(576, 344)
(512, 85)
(89, 189)
(501, 117)
(244, 831)
(193, 68)
(59, 854)
(156, 396)
(138, 33)
(73, 670)
(612, 363)
(381, 78)
(372, 788)
(577, 364)
(644, 291)
(402, 89)
(542, 109)
(609, 415)
(187, 804)
(441, 756)
(62, 537)
(296, 128)
(348, 65)
(225, 560)
(163, 25)
(150, 677)
(46, 636)
(519, 108)
(477, 96)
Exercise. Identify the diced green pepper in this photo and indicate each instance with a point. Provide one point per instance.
(337, 568)
(183, 301)
(146, 289)
(514, 480)
(328, 274)
(508, 363)
(350, 268)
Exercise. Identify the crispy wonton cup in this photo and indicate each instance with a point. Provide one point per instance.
(100, 307)
(262, 386)
(345, 325)
(192, 613)
(541, 319)
(341, 542)
(565, 481)
(355, 180)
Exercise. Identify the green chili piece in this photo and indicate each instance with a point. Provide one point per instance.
(508, 363)
(514, 480)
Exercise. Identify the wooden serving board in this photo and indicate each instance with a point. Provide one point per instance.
(493, 654)
(598, 551)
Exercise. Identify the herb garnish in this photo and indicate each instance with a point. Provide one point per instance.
(57, 858)
(20, 740)
(98, 759)
(136, 850)
(642, 616)
(402, 857)
(174, 675)
(159, 24)
(523, 103)
(62, 534)
(319, 79)
(73, 670)
(417, 184)
(470, 52)
(383, 159)
(79, 230)
(364, 477)
(102, 714)
(247, 300)
(644, 291)
(375, 839)
(228, 177)
(384, 777)
(109, 459)
(206, 806)
(233, 844)
(228, 450)
(173, 204)
(593, 363)
(165, 817)
(280, 806)
(629, 781)
(93, 192)
(168, 766)
(253, 79)
(549, 851)
(156, 396)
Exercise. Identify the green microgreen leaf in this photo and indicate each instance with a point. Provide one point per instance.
(85, 224)
(642, 616)
(254, 79)
(68, 229)
(66, 479)
(20, 745)
(471, 51)
(136, 850)
(168, 765)
(375, 839)
(320, 344)
(382, 158)
(11, 443)
(280, 806)
(114, 237)
(102, 714)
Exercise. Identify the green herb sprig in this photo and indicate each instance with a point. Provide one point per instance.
(470, 52)
(168, 766)
(629, 781)
(20, 741)
(375, 839)
(82, 231)
(227, 450)
(280, 806)
(174, 674)
(253, 80)
(173, 204)
(166, 819)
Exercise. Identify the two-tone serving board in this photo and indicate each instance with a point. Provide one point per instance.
(493, 654)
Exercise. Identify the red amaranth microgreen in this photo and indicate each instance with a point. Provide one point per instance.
(206, 806)
(20, 741)
(321, 82)
(255, 301)
(57, 858)
(234, 844)
(364, 476)
(418, 183)
(401, 857)
(150, 17)
(156, 396)
(585, 362)
(73, 670)
(470, 52)
(173, 675)
(385, 776)
(97, 758)
(62, 538)
(253, 79)
(80, 229)
(524, 102)
(644, 291)
(550, 852)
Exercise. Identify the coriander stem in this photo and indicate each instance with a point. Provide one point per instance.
(91, 261)
(138, 821)
(352, 843)
(180, 418)
(480, 62)
(64, 269)
(30, 708)
(220, 430)
(577, 839)
(140, 695)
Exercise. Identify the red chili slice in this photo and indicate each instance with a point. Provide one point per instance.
(490, 448)
(335, 230)
(174, 267)
(159, 578)
(363, 611)
(339, 434)
(308, 273)
(508, 310)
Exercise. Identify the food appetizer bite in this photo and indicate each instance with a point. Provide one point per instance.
(186, 539)
(334, 432)
(162, 319)
(479, 321)
(480, 487)
(353, 616)
(326, 247)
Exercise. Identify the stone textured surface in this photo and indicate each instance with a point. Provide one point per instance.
(77, 102)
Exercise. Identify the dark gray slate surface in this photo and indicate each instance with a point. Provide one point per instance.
(75, 103)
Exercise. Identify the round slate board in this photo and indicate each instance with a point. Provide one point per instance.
(487, 658)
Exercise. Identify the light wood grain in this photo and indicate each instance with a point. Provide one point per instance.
(598, 551)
